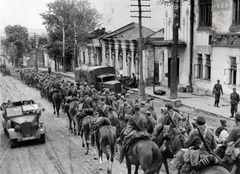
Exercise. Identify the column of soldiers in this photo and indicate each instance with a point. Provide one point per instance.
(141, 120)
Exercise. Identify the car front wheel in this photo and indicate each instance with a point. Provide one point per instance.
(13, 143)
(42, 138)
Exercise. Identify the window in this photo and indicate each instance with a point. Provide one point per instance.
(199, 67)
(208, 68)
(236, 12)
(233, 71)
(205, 13)
(230, 74)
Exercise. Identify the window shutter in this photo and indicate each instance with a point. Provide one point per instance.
(227, 76)
(196, 70)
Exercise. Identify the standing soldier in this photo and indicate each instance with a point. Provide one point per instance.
(49, 70)
(217, 90)
(234, 102)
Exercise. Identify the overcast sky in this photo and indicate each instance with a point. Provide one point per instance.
(115, 13)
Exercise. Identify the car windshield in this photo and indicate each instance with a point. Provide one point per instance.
(30, 107)
(14, 111)
(109, 78)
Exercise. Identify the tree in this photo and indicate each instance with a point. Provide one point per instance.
(71, 20)
(16, 42)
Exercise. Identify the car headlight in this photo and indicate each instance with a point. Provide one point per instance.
(36, 125)
(17, 128)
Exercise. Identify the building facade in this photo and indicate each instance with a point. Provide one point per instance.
(216, 44)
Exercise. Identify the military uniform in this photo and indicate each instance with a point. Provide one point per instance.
(217, 90)
(135, 128)
(234, 102)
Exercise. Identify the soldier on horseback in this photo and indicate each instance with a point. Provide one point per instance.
(203, 143)
(136, 128)
(103, 110)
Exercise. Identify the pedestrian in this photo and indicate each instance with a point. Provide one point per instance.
(217, 90)
(234, 102)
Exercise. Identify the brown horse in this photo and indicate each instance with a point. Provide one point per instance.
(87, 123)
(106, 136)
(144, 153)
(72, 116)
(56, 100)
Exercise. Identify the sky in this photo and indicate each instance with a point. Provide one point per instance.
(115, 13)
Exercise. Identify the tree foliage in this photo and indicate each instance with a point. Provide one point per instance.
(16, 42)
(76, 17)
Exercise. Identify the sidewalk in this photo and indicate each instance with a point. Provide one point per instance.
(197, 100)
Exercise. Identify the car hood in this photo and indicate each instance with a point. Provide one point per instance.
(22, 119)
(112, 82)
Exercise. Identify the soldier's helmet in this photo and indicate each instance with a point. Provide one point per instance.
(201, 120)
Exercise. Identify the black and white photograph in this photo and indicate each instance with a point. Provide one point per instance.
(119, 86)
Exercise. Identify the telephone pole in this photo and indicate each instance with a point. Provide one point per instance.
(140, 45)
(35, 51)
(174, 65)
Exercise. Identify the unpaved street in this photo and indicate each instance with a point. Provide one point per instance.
(62, 153)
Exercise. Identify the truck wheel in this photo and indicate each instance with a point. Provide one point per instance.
(42, 138)
(13, 143)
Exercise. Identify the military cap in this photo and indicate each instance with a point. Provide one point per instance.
(119, 95)
(122, 96)
(143, 103)
(169, 105)
(136, 106)
(102, 98)
(85, 83)
(136, 99)
(201, 120)
(77, 83)
(148, 99)
(127, 94)
(72, 83)
(223, 121)
(107, 91)
(92, 86)
(147, 112)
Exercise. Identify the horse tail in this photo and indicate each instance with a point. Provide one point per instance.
(156, 158)
(112, 139)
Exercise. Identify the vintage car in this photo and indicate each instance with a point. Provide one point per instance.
(20, 121)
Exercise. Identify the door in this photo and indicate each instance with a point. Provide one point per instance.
(156, 72)
(169, 71)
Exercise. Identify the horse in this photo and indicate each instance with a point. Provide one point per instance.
(106, 136)
(144, 153)
(72, 116)
(87, 124)
(56, 100)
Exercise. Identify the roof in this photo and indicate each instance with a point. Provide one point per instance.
(90, 68)
(124, 29)
(111, 82)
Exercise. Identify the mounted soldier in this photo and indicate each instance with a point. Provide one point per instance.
(135, 129)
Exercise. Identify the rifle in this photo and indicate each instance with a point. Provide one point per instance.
(204, 142)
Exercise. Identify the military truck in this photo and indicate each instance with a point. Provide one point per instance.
(99, 76)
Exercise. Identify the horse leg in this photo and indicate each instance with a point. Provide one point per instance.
(70, 123)
(83, 145)
(104, 149)
(136, 169)
(128, 165)
(58, 108)
(100, 158)
(87, 143)
(54, 112)
(166, 165)
(112, 157)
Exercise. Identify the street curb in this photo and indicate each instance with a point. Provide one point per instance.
(184, 105)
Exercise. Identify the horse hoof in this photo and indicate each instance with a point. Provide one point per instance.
(83, 145)
(95, 158)
(100, 168)
(86, 153)
(54, 113)
(109, 172)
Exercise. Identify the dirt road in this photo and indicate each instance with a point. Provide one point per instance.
(62, 153)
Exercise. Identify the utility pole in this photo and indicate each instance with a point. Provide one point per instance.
(35, 51)
(63, 53)
(174, 65)
(140, 45)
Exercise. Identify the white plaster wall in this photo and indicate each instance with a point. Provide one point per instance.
(220, 61)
